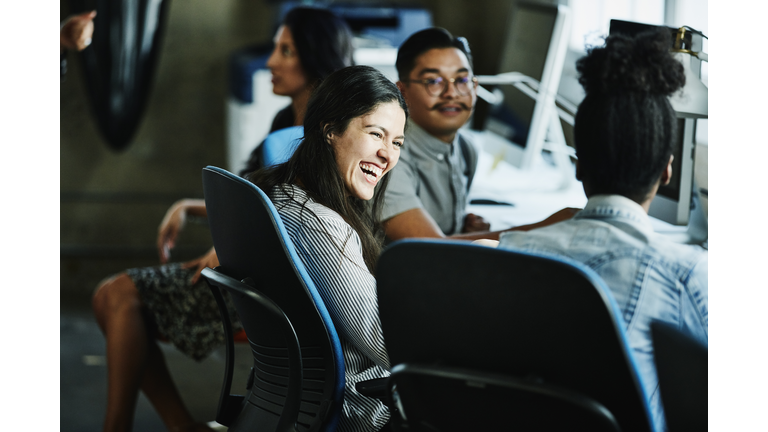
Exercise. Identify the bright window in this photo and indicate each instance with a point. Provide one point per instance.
(591, 21)
(591, 18)
(693, 13)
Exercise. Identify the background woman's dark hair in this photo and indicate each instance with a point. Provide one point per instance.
(346, 94)
(625, 127)
(323, 41)
(423, 41)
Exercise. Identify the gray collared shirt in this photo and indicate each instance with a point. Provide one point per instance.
(432, 175)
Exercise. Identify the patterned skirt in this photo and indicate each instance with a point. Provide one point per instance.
(186, 315)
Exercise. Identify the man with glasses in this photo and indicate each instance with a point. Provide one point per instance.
(427, 192)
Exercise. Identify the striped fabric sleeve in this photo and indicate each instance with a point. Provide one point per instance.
(332, 254)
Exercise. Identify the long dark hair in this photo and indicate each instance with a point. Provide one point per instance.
(625, 127)
(346, 94)
(323, 41)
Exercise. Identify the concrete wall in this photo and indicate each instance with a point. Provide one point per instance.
(112, 203)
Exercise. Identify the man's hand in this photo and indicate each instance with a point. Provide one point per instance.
(560, 215)
(77, 31)
(475, 223)
(208, 260)
(554, 218)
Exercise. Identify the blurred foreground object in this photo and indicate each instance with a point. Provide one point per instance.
(119, 68)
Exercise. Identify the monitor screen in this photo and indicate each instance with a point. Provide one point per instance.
(525, 51)
(535, 47)
(672, 203)
(672, 190)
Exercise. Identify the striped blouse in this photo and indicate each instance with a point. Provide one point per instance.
(349, 291)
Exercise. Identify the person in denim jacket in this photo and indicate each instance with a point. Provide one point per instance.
(624, 132)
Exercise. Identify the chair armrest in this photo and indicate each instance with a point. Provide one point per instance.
(229, 405)
(374, 388)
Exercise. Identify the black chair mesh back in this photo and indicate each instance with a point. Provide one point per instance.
(682, 364)
(248, 245)
(473, 307)
(482, 401)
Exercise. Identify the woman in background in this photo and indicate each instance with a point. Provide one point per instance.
(625, 133)
(170, 302)
(353, 132)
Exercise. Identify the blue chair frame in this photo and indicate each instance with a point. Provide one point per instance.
(279, 145)
(281, 311)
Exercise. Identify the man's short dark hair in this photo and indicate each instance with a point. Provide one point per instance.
(423, 41)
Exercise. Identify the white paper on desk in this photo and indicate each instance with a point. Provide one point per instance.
(536, 193)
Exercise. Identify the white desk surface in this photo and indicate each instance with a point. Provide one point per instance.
(535, 193)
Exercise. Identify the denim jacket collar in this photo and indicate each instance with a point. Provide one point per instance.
(618, 208)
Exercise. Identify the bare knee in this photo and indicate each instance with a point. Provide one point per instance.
(114, 293)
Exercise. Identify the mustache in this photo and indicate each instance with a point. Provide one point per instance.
(439, 105)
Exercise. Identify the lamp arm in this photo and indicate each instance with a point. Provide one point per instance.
(529, 86)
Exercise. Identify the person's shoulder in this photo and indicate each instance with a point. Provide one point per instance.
(468, 149)
(552, 237)
(293, 202)
(682, 262)
(325, 214)
(467, 137)
(680, 252)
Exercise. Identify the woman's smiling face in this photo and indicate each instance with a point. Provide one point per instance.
(369, 148)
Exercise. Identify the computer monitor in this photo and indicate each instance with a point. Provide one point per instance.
(535, 45)
(672, 203)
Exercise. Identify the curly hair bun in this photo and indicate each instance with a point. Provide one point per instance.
(640, 64)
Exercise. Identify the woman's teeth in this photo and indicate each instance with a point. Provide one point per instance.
(371, 171)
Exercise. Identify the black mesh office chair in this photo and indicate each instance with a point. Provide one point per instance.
(281, 312)
(488, 339)
(682, 365)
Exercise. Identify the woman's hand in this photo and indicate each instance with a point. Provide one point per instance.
(77, 31)
(169, 229)
(173, 223)
(208, 260)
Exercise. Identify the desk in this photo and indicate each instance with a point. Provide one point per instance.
(535, 193)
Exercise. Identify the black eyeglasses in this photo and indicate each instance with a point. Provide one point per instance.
(436, 86)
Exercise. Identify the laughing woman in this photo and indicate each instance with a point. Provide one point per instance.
(353, 132)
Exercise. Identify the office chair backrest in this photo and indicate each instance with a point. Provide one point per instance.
(542, 319)
(251, 242)
(279, 145)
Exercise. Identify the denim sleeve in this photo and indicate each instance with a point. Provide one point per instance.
(696, 310)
